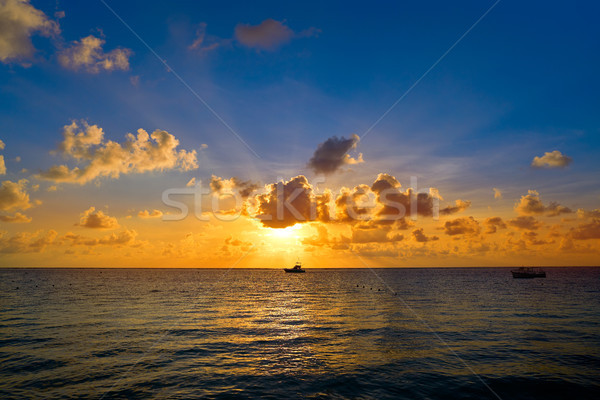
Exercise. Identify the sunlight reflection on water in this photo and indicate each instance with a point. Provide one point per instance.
(252, 333)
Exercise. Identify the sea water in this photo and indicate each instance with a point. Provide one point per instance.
(331, 333)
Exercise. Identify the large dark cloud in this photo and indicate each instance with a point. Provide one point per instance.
(352, 205)
(383, 205)
(288, 203)
(333, 154)
(397, 204)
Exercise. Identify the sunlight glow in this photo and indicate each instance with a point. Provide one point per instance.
(283, 233)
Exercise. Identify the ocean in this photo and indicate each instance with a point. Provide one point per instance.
(430, 333)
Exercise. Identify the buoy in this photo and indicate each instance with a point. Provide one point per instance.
(379, 290)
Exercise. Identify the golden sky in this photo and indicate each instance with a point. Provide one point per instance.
(234, 222)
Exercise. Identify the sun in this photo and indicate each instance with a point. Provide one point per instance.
(285, 233)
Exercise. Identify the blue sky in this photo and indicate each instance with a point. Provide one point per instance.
(524, 81)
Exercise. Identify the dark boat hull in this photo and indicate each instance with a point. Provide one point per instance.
(295, 271)
(528, 275)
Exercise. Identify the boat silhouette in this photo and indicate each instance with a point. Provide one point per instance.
(528, 273)
(297, 268)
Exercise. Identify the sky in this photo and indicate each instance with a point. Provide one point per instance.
(200, 134)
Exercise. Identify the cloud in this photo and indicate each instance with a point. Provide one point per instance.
(525, 222)
(586, 231)
(358, 238)
(230, 241)
(493, 223)
(104, 158)
(126, 237)
(420, 236)
(244, 188)
(88, 55)
(462, 226)
(532, 239)
(148, 214)
(354, 205)
(19, 20)
(531, 204)
(25, 242)
(497, 193)
(268, 35)
(205, 43)
(200, 35)
(14, 196)
(583, 214)
(332, 154)
(396, 204)
(374, 251)
(191, 182)
(97, 220)
(2, 164)
(288, 203)
(460, 206)
(553, 159)
(374, 236)
(380, 206)
(553, 209)
(17, 218)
